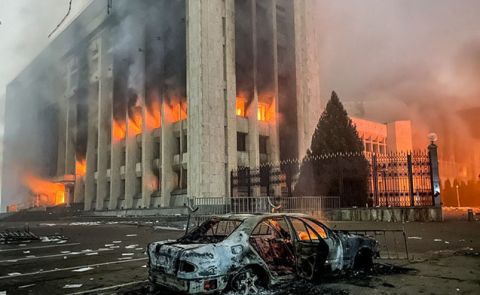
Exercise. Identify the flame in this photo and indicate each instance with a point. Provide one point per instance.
(47, 192)
(80, 167)
(240, 107)
(135, 123)
(266, 112)
(118, 130)
(176, 111)
(153, 119)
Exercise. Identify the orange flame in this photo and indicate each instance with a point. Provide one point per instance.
(265, 112)
(80, 167)
(135, 123)
(48, 192)
(176, 111)
(153, 119)
(118, 130)
(240, 107)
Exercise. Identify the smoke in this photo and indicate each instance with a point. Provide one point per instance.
(406, 59)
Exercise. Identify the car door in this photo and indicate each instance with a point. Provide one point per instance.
(311, 250)
(272, 241)
(335, 253)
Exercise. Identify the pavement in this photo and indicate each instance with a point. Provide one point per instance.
(108, 257)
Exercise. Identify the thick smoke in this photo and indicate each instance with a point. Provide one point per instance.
(404, 59)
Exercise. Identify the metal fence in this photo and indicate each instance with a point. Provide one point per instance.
(401, 179)
(239, 205)
(394, 180)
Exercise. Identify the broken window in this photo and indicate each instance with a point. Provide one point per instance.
(305, 232)
(271, 239)
(211, 231)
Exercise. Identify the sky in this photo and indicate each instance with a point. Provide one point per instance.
(24, 29)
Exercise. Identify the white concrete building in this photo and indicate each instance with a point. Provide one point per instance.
(149, 102)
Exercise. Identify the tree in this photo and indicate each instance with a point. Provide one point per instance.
(346, 173)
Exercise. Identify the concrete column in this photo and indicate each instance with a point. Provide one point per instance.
(116, 190)
(252, 111)
(78, 193)
(230, 92)
(136, 81)
(167, 175)
(149, 180)
(309, 104)
(91, 156)
(206, 97)
(104, 120)
(274, 123)
(62, 136)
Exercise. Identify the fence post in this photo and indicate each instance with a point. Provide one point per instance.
(375, 179)
(231, 184)
(410, 179)
(434, 174)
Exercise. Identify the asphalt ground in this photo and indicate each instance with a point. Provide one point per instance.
(108, 258)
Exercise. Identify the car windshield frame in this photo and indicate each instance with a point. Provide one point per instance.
(199, 234)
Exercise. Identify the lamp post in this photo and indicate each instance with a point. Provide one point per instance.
(458, 196)
(434, 171)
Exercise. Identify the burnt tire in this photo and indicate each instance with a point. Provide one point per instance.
(363, 260)
(247, 281)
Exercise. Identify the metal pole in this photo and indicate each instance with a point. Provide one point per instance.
(375, 179)
(410, 179)
(458, 196)
(434, 175)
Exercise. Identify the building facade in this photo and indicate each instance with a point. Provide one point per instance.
(386, 138)
(139, 104)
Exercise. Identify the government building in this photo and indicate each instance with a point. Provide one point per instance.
(141, 104)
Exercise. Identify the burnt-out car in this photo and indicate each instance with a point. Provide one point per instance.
(245, 252)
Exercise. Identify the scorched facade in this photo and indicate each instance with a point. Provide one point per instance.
(141, 104)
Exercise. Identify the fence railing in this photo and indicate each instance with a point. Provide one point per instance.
(251, 205)
(394, 179)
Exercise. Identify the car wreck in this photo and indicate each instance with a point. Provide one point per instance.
(243, 253)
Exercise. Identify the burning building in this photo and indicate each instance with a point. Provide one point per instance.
(144, 103)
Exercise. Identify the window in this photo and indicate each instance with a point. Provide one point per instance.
(262, 112)
(272, 227)
(211, 231)
(241, 142)
(240, 107)
(317, 227)
(262, 144)
(185, 144)
(177, 145)
(305, 232)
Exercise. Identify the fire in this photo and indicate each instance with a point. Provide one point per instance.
(80, 167)
(240, 107)
(265, 112)
(135, 123)
(153, 119)
(47, 192)
(118, 130)
(176, 111)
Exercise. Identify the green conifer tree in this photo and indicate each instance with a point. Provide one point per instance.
(344, 176)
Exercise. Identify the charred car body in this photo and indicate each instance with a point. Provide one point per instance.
(245, 252)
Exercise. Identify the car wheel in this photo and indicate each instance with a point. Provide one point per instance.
(247, 281)
(363, 260)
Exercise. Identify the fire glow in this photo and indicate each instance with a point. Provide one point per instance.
(47, 192)
(176, 111)
(118, 130)
(135, 123)
(80, 167)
